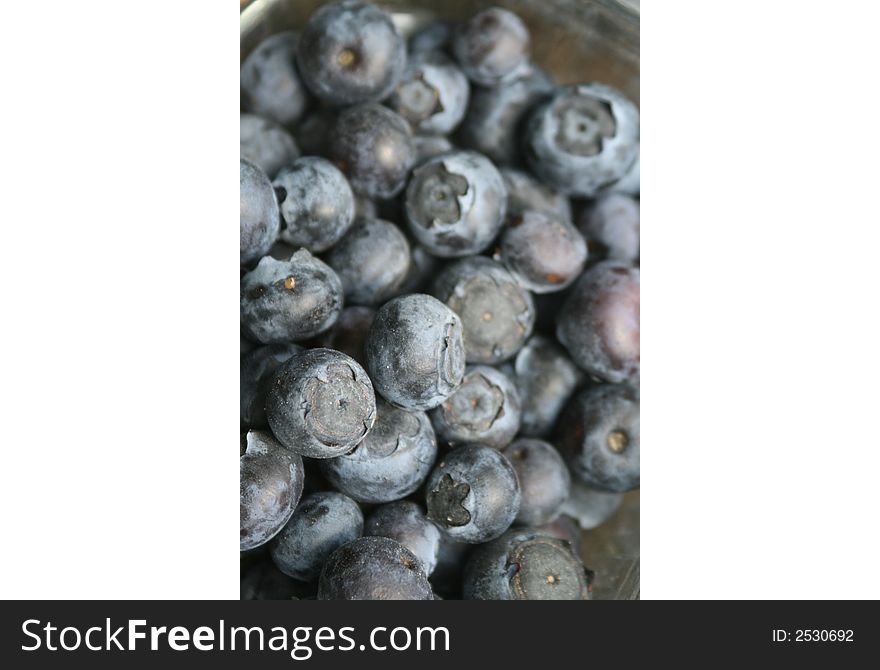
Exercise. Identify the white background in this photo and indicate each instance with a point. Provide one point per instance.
(760, 256)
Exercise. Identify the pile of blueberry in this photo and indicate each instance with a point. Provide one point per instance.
(439, 312)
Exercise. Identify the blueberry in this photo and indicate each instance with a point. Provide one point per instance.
(372, 261)
(497, 314)
(284, 301)
(374, 147)
(428, 146)
(270, 83)
(455, 203)
(321, 524)
(598, 434)
(405, 522)
(271, 482)
(350, 52)
(391, 462)
(525, 565)
(628, 184)
(316, 203)
(433, 93)
(415, 351)
(591, 507)
(611, 226)
(473, 494)
(321, 403)
(373, 568)
(545, 378)
(599, 322)
(266, 144)
(544, 480)
(495, 116)
(491, 45)
(257, 374)
(485, 409)
(350, 332)
(524, 193)
(583, 139)
(259, 212)
(543, 253)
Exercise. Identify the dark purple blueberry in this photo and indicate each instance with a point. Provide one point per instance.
(599, 322)
(316, 203)
(266, 144)
(565, 527)
(372, 261)
(598, 434)
(350, 52)
(289, 301)
(313, 133)
(611, 226)
(455, 203)
(491, 45)
(544, 480)
(485, 409)
(321, 524)
(473, 494)
(525, 565)
(497, 314)
(433, 93)
(271, 482)
(374, 147)
(405, 522)
(494, 121)
(257, 374)
(350, 332)
(545, 378)
(415, 351)
(321, 404)
(270, 83)
(524, 193)
(373, 568)
(583, 139)
(591, 507)
(391, 462)
(543, 253)
(259, 212)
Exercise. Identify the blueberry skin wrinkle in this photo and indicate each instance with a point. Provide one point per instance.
(485, 409)
(473, 494)
(373, 568)
(321, 523)
(351, 52)
(583, 139)
(598, 435)
(316, 203)
(289, 301)
(321, 403)
(415, 351)
(525, 565)
(265, 144)
(405, 521)
(497, 313)
(599, 322)
(391, 462)
(271, 483)
(456, 203)
(258, 216)
(270, 83)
